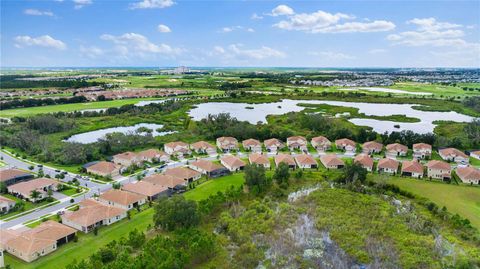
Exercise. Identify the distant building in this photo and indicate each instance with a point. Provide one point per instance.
(232, 163)
(439, 170)
(209, 168)
(394, 150)
(387, 165)
(259, 159)
(347, 145)
(41, 185)
(12, 176)
(297, 142)
(453, 155)
(372, 147)
(273, 145)
(285, 158)
(331, 161)
(422, 151)
(103, 169)
(6, 204)
(252, 145)
(321, 143)
(365, 161)
(469, 175)
(412, 169)
(306, 161)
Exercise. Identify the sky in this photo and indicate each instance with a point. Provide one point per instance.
(137, 33)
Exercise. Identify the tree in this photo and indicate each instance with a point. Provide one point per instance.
(35, 195)
(116, 185)
(353, 173)
(175, 212)
(255, 178)
(3, 187)
(282, 174)
(50, 194)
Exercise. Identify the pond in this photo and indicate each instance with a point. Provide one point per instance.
(94, 136)
(377, 89)
(260, 111)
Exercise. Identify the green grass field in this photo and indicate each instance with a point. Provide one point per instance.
(28, 206)
(213, 186)
(460, 199)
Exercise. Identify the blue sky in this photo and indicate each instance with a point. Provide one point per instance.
(240, 33)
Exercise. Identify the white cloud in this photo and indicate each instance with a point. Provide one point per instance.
(377, 51)
(137, 44)
(41, 41)
(430, 32)
(162, 28)
(255, 16)
(251, 30)
(229, 29)
(281, 10)
(91, 52)
(236, 51)
(331, 55)
(324, 22)
(149, 4)
(81, 3)
(36, 12)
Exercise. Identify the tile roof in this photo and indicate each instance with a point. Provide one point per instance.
(146, 188)
(273, 142)
(251, 142)
(126, 155)
(206, 165)
(439, 165)
(286, 158)
(422, 146)
(91, 212)
(305, 159)
(396, 147)
(345, 141)
(124, 198)
(321, 140)
(103, 167)
(468, 172)
(331, 159)
(26, 187)
(182, 172)
(373, 145)
(151, 153)
(258, 158)
(232, 161)
(6, 199)
(364, 160)
(412, 167)
(388, 163)
(164, 180)
(452, 152)
(202, 145)
(7, 174)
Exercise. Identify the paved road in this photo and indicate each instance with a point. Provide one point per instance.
(94, 188)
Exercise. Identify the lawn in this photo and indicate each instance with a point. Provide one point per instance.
(213, 186)
(28, 206)
(86, 244)
(463, 200)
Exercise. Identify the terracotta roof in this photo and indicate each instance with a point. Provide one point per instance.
(388, 163)
(364, 160)
(305, 159)
(7, 235)
(126, 155)
(476, 152)
(422, 146)
(331, 159)
(321, 140)
(40, 237)
(103, 167)
(345, 141)
(468, 172)
(145, 188)
(164, 180)
(452, 152)
(373, 145)
(412, 167)
(182, 172)
(439, 165)
(5, 199)
(273, 142)
(397, 147)
(286, 158)
(7, 174)
(121, 197)
(227, 140)
(206, 165)
(251, 142)
(92, 212)
(27, 187)
(151, 153)
(296, 138)
(258, 158)
(202, 145)
(232, 161)
(173, 145)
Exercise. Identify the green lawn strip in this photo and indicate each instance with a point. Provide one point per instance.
(28, 206)
(86, 244)
(460, 199)
(213, 186)
(35, 223)
(474, 162)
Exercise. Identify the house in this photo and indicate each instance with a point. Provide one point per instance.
(126, 159)
(306, 161)
(412, 168)
(92, 214)
(439, 170)
(365, 161)
(6, 204)
(165, 180)
(469, 175)
(297, 142)
(453, 155)
(331, 161)
(475, 154)
(123, 199)
(285, 158)
(41, 185)
(259, 159)
(346, 145)
(321, 143)
(103, 169)
(30, 244)
(227, 143)
(148, 189)
(273, 144)
(422, 151)
(387, 165)
(187, 174)
(252, 145)
(232, 163)
(179, 149)
(202, 147)
(372, 147)
(153, 155)
(12, 176)
(396, 149)
(209, 168)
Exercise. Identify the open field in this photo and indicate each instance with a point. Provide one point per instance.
(213, 186)
(463, 200)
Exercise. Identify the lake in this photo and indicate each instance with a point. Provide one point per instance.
(388, 90)
(260, 111)
(94, 136)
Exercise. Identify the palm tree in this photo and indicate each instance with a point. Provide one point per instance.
(35, 195)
